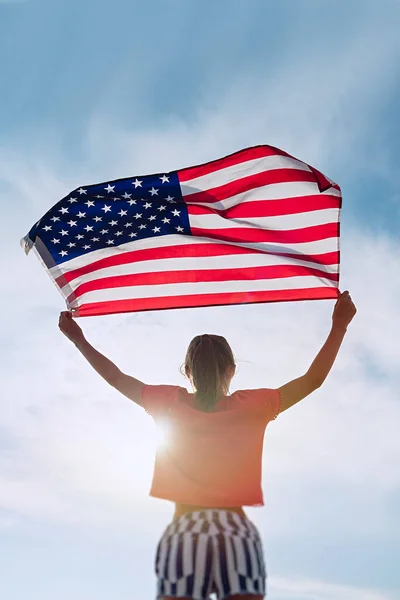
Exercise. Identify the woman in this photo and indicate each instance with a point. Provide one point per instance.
(210, 466)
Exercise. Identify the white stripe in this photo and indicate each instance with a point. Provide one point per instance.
(306, 248)
(240, 170)
(281, 222)
(200, 565)
(231, 261)
(183, 289)
(172, 578)
(275, 191)
(187, 553)
(144, 244)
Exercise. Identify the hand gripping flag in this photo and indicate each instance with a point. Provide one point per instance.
(256, 226)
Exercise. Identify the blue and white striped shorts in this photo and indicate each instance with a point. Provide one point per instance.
(210, 551)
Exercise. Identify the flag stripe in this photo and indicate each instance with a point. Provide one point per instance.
(292, 236)
(277, 191)
(251, 182)
(271, 208)
(158, 248)
(190, 263)
(243, 169)
(212, 220)
(149, 291)
(201, 276)
(233, 159)
(197, 300)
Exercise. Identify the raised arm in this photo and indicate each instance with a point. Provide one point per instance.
(299, 388)
(129, 386)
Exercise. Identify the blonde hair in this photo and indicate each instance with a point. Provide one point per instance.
(208, 360)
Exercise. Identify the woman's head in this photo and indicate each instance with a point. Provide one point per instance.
(210, 366)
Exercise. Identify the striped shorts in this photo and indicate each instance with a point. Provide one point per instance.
(210, 551)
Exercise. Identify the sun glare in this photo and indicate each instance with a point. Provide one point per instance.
(163, 433)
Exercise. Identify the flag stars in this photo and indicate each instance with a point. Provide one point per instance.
(54, 219)
(169, 198)
(81, 215)
(63, 232)
(179, 229)
(161, 207)
(122, 213)
(79, 236)
(164, 179)
(152, 218)
(63, 253)
(128, 225)
(118, 233)
(71, 223)
(176, 213)
(147, 205)
(153, 191)
(82, 191)
(88, 228)
(127, 196)
(86, 247)
(165, 220)
(138, 216)
(137, 183)
(47, 227)
(104, 231)
(72, 200)
(55, 241)
(89, 203)
(95, 239)
(156, 229)
(97, 219)
(110, 242)
(132, 235)
(106, 208)
(71, 244)
(130, 202)
(63, 210)
(113, 223)
(109, 188)
(143, 226)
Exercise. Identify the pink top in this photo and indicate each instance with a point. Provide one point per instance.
(210, 459)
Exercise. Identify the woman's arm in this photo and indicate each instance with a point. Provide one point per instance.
(299, 388)
(129, 386)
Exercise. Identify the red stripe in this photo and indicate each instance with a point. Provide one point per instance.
(197, 300)
(270, 208)
(201, 276)
(229, 161)
(195, 250)
(289, 236)
(244, 184)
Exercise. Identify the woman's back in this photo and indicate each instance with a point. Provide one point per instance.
(210, 458)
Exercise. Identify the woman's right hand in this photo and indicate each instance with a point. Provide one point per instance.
(344, 311)
(69, 327)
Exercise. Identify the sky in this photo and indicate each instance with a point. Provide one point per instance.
(94, 90)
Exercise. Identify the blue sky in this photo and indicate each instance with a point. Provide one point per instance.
(96, 90)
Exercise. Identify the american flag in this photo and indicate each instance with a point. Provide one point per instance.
(256, 226)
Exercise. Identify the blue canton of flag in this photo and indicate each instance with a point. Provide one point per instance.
(112, 214)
